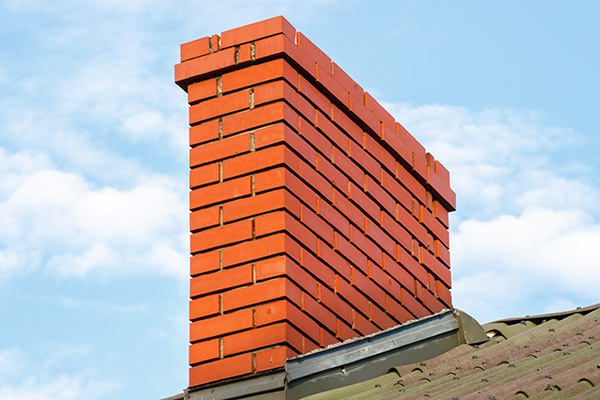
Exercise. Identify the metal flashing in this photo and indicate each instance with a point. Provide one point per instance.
(368, 347)
(265, 387)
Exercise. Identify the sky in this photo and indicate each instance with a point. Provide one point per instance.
(94, 166)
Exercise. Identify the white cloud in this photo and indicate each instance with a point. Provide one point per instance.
(524, 236)
(58, 221)
(20, 379)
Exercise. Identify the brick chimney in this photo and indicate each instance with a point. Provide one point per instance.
(315, 216)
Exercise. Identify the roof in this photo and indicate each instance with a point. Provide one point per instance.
(444, 356)
(547, 356)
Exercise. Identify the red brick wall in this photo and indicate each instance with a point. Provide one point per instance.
(315, 216)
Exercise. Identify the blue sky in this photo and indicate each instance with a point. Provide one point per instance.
(93, 166)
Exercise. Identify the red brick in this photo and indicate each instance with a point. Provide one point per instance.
(270, 135)
(221, 236)
(204, 132)
(316, 181)
(380, 113)
(204, 262)
(379, 317)
(318, 269)
(315, 96)
(272, 312)
(221, 325)
(333, 259)
(274, 46)
(382, 155)
(272, 267)
(434, 225)
(220, 280)
(344, 332)
(366, 116)
(198, 67)
(396, 231)
(410, 182)
(204, 351)
(273, 358)
(352, 296)
(400, 194)
(373, 292)
(265, 158)
(279, 177)
(342, 120)
(441, 271)
(244, 54)
(259, 293)
(220, 149)
(325, 317)
(220, 192)
(221, 369)
(301, 233)
(362, 325)
(304, 323)
(399, 273)
(441, 213)
(317, 224)
(362, 158)
(351, 253)
(313, 51)
(443, 293)
(447, 195)
(270, 179)
(300, 146)
(261, 203)
(201, 176)
(204, 218)
(348, 209)
(257, 31)
(324, 77)
(331, 215)
(271, 223)
(433, 304)
(366, 245)
(402, 151)
(195, 48)
(202, 90)
(205, 306)
(326, 338)
(340, 160)
(334, 175)
(395, 309)
(259, 116)
(411, 224)
(314, 137)
(442, 252)
(358, 196)
(280, 89)
(411, 304)
(385, 281)
(258, 73)
(408, 262)
(383, 199)
(335, 303)
(283, 310)
(219, 106)
(261, 337)
(331, 131)
(261, 248)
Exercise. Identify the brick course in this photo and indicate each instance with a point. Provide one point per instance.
(315, 216)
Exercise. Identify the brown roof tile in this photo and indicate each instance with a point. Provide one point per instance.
(555, 356)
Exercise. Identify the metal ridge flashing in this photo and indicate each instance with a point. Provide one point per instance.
(359, 349)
